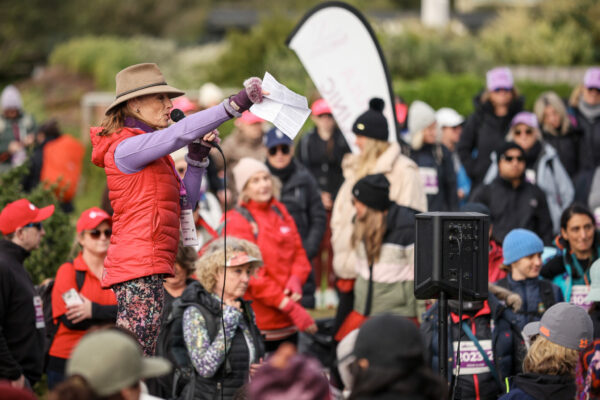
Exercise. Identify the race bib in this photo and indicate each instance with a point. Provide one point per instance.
(39, 312)
(188, 228)
(578, 295)
(429, 177)
(471, 360)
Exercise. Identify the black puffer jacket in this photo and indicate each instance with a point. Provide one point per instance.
(324, 159)
(522, 207)
(21, 334)
(439, 159)
(484, 132)
(568, 148)
(590, 143)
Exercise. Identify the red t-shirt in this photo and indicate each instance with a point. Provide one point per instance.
(66, 339)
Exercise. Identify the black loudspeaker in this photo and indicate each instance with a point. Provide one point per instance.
(448, 243)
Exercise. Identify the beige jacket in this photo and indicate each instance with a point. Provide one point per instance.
(405, 189)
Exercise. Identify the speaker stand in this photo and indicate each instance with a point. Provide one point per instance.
(443, 334)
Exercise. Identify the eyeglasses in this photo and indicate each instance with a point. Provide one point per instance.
(510, 158)
(96, 233)
(285, 149)
(37, 225)
(519, 132)
(502, 90)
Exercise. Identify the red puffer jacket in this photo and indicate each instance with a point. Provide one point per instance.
(146, 213)
(283, 256)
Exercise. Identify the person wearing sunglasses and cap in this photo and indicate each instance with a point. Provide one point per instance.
(206, 325)
(22, 325)
(512, 200)
(301, 196)
(133, 144)
(98, 305)
(543, 167)
(485, 129)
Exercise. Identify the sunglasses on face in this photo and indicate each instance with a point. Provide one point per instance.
(502, 90)
(37, 225)
(285, 149)
(96, 233)
(519, 132)
(594, 90)
(511, 158)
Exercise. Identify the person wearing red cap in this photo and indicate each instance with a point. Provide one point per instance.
(98, 305)
(21, 316)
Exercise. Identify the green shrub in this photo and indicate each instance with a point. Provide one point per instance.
(262, 49)
(419, 52)
(102, 57)
(56, 244)
(459, 91)
(518, 36)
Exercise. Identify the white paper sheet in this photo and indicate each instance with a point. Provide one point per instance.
(285, 109)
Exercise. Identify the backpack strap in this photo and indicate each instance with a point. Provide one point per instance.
(79, 279)
(547, 293)
(248, 216)
(486, 359)
(277, 211)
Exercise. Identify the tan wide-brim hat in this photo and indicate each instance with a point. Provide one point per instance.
(139, 80)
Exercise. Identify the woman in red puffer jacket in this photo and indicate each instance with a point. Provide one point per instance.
(277, 287)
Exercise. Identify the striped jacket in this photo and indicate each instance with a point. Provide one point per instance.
(393, 273)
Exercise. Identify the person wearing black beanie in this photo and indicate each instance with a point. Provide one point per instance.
(372, 123)
(382, 243)
(376, 155)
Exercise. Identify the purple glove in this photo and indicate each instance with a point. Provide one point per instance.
(198, 150)
(245, 98)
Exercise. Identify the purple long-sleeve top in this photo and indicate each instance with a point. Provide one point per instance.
(134, 153)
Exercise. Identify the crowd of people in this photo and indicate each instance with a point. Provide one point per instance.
(196, 275)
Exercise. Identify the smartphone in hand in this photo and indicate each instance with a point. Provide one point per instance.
(72, 298)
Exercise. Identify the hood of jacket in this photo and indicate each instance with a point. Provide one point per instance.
(555, 387)
(101, 144)
(384, 164)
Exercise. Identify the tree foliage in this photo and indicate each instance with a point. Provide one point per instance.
(56, 244)
(555, 34)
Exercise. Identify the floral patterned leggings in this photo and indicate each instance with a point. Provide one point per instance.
(139, 308)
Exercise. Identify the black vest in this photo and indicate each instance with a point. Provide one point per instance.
(233, 373)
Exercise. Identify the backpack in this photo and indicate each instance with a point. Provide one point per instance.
(62, 162)
(45, 293)
(171, 345)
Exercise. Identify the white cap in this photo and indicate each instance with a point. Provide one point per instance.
(448, 117)
(210, 95)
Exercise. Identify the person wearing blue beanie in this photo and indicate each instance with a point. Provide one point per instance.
(522, 251)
